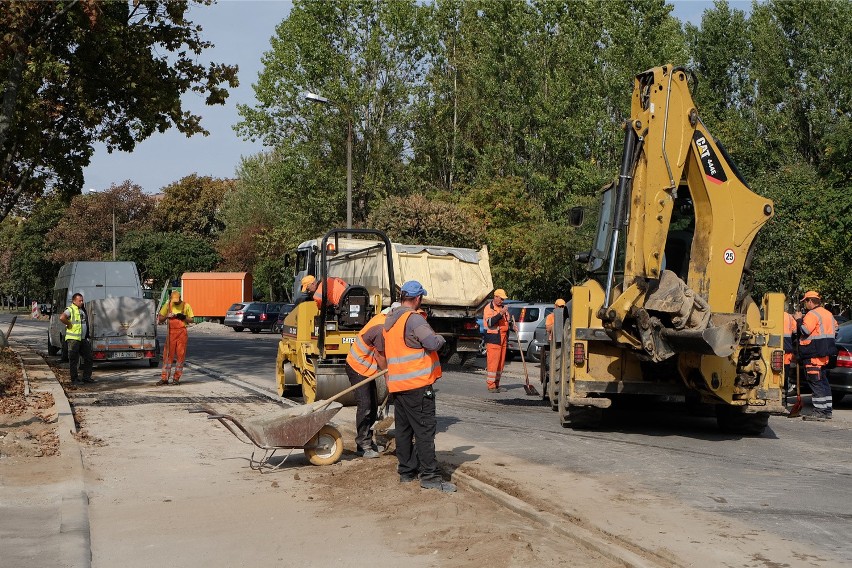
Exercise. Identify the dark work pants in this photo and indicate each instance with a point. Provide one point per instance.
(365, 411)
(817, 377)
(77, 349)
(415, 425)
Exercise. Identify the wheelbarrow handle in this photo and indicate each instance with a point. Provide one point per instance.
(353, 387)
(216, 416)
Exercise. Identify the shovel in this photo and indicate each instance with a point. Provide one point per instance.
(528, 388)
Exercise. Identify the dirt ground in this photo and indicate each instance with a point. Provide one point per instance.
(27, 426)
(177, 488)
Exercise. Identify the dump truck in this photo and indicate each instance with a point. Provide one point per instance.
(211, 293)
(667, 310)
(458, 281)
(316, 339)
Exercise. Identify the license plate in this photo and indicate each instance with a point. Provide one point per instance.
(125, 355)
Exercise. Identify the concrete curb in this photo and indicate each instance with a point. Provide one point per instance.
(74, 532)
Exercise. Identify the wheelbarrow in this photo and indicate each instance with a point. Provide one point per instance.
(303, 427)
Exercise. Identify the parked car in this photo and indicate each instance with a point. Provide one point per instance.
(527, 316)
(254, 316)
(538, 342)
(840, 367)
(45, 309)
(278, 327)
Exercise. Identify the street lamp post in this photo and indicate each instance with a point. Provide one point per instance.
(323, 100)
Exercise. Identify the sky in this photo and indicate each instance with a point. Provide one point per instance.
(240, 31)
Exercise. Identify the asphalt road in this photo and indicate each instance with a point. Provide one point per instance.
(794, 481)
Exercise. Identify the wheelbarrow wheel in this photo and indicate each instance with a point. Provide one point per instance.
(327, 446)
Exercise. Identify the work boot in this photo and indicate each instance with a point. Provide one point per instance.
(442, 486)
(161, 382)
(89, 380)
(406, 478)
(495, 389)
(817, 417)
(370, 453)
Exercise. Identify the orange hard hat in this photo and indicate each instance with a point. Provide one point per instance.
(559, 303)
(500, 293)
(307, 281)
(811, 294)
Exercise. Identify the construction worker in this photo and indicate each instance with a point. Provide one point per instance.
(363, 361)
(178, 316)
(789, 348)
(411, 348)
(76, 322)
(816, 344)
(495, 318)
(311, 287)
(551, 317)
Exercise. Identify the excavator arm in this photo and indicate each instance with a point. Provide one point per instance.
(667, 153)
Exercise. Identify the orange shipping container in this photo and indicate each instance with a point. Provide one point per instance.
(211, 293)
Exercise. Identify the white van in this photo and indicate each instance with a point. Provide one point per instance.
(96, 281)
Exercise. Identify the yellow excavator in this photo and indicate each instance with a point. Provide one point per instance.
(666, 311)
(315, 340)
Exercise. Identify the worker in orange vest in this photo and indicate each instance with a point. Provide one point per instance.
(548, 321)
(495, 318)
(789, 348)
(365, 360)
(178, 316)
(411, 348)
(817, 330)
(313, 287)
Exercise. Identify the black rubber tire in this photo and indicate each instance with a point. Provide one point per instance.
(64, 350)
(238, 328)
(51, 350)
(254, 330)
(531, 356)
(732, 420)
(153, 363)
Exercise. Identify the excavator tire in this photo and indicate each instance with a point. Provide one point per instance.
(732, 420)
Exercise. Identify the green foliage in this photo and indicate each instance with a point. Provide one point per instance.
(417, 219)
(75, 73)
(85, 230)
(191, 205)
(161, 257)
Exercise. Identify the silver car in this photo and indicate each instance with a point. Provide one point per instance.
(527, 316)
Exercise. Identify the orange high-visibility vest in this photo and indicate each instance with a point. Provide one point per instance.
(408, 368)
(789, 330)
(362, 358)
(494, 332)
(818, 330)
(335, 291)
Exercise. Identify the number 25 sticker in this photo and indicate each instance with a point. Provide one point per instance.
(729, 256)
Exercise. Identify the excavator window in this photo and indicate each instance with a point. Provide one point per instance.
(681, 232)
(603, 238)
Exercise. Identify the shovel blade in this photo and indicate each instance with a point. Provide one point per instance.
(530, 390)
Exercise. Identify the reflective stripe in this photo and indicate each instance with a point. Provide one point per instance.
(413, 374)
(489, 312)
(405, 358)
(361, 357)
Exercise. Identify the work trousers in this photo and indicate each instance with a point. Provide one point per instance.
(817, 377)
(415, 426)
(495, 360)
(174, 352)
(77, 349)
(366, 409)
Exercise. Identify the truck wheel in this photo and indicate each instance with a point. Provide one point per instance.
(330, 446)
(64, 350)
(531, 356)
(51, 350)
(253, 330)
(581, 417)
(732, 420)
(238, 328)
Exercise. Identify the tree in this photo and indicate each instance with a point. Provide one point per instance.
(85, 231)
(367, 58)
(161, 257)
(192, 205)
(418, 219)
(76, 72)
